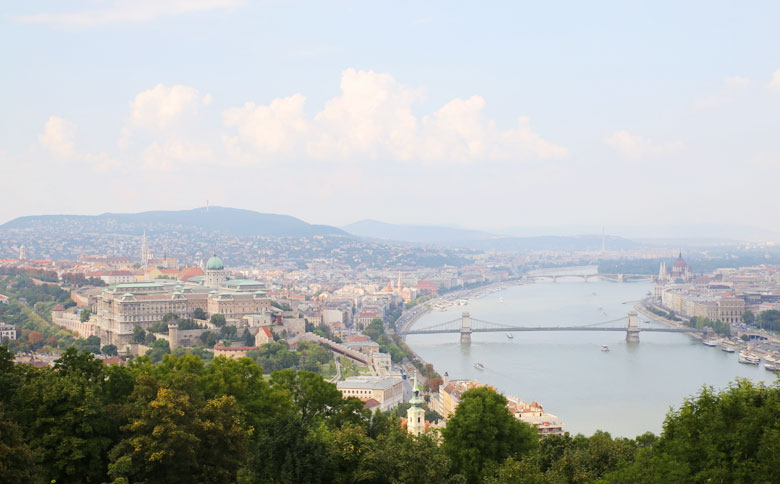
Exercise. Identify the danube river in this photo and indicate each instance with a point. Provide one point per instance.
(626, 391)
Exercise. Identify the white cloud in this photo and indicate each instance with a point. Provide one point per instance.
(373, 118)
(775, 84)
(174, 151)
(159, 107)
(737, 81)
(637, 147)
(129, 11)
(58, 137)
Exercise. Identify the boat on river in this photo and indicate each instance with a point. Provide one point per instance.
(479, 366)
(728, 347)
(710, 342)
(604, 348)
(509, 335)
(748, 358)
(773, 367)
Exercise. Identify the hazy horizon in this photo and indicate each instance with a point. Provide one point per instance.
(501, 115)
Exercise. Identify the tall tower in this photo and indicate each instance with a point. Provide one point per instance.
(22, 252)
(144, 251)
(398, 286)
(603, 239)
(415, 416)
(662, 272)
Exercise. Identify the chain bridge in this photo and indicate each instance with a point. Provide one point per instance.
(466, 325)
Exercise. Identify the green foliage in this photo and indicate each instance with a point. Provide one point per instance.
(218, 320)
(91, 344)
(482, 434)
(769, 320)
(749, 318)
(199, 313)
(109, 350)
(85, 314)
(719, 327)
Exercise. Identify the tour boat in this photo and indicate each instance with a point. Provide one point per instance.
(509, 335)
(479, 366)
(772, 359)
(728, 347)
(748, 358)
(772, 367)
(604, 348)
(711, 343)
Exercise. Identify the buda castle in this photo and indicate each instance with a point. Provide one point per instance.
(121, 307)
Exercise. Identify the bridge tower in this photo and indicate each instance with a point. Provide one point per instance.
(620, 277)
(632, 331)
(465, 328)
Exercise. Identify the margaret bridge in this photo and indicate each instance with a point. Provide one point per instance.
(466, 325)
(585, 277)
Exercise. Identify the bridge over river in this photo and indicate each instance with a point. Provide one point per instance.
(466, 325)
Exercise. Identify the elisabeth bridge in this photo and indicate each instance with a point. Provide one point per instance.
(466, 325)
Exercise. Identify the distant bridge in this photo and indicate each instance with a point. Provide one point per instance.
(585, 277)
(464, 326)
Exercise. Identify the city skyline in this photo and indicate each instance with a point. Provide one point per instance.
(499, 116)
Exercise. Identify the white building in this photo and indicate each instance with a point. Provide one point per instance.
(386, 390)
(7, 331)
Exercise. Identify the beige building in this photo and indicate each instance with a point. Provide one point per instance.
(71, 320)
(450, 392)
(731, 309)
(533, 414)
(121, 307)
(386, 390)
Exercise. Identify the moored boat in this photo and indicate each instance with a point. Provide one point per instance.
(709, 342)
(748, 358)
(772, 367)
(728, 347)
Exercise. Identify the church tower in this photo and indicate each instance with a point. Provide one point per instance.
(415, 416)
(22, 252)
(144, 251)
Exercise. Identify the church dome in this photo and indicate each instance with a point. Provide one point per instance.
(214, 263)
(680, 264)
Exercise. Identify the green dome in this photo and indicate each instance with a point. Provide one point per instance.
(214, 264)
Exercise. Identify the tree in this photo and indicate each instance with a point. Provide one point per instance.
(17, 460)
(482, 433)
(208, 339)
(85, 314)
(91, 344)
(176, 437)
(749, 318)
(218, 320)
(139, 335)
(199, 313)
(109, 350)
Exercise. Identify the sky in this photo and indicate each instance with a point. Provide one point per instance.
(474, 114)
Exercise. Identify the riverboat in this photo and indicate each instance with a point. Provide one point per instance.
(748, 358)
(711, 343)
(772, 359)
(728, 348)
(604, 348)
(775, 368)
(479, 366)
(509, 335)
(501, 300)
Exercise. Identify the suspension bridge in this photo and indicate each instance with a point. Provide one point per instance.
(466, 325)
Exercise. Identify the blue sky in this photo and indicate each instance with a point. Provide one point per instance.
(481, 115)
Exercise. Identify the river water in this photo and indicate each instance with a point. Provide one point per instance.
(626, 391)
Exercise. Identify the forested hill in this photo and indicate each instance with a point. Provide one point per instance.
(232, 221)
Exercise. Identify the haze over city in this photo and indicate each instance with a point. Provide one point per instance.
(481, 116)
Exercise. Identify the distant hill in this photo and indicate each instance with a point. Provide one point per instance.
(231, 221)
(475, 239)
(421, 234)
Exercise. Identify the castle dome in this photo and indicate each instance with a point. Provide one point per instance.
(214, 263)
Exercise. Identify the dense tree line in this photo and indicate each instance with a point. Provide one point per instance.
(183, 421)
(699, 322)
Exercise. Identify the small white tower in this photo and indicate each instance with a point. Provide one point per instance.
(215, 272)
(22, 252)
(144, 251)
(415, 416)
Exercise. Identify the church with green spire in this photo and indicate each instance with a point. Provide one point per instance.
(415, 416)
